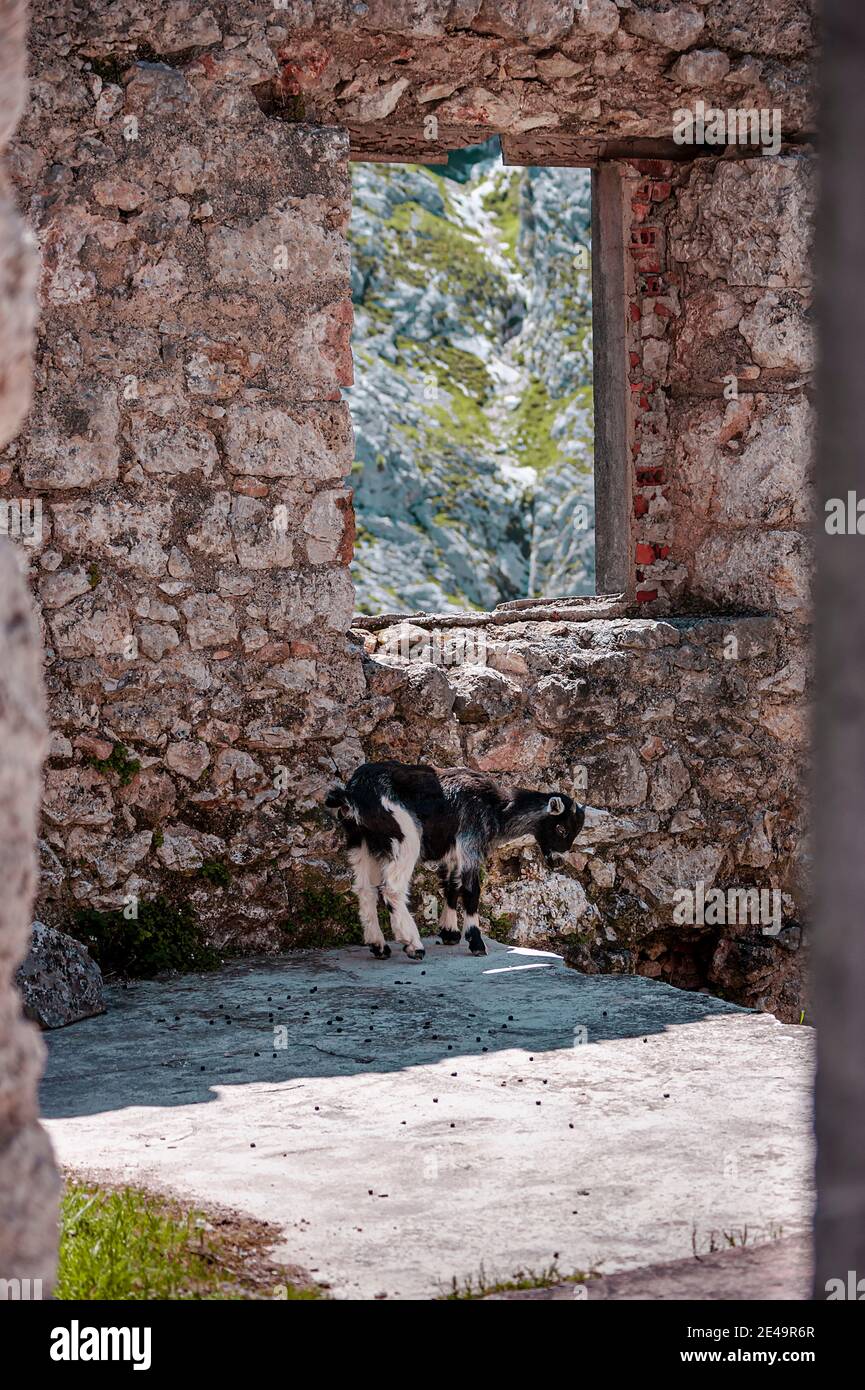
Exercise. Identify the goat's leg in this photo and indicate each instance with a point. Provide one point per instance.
(404, 925)
(449, 930)
(471, 896)
(367, 877)
(396, 881)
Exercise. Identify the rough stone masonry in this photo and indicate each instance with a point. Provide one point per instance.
(28, 1179)
(185, 168)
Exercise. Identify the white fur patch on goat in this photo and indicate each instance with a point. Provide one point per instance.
(397, 872)
(405, 852)
(367, 877)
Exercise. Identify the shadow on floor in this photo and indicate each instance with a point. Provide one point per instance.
(276, 1020)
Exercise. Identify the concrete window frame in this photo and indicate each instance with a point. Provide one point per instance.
(614, 572)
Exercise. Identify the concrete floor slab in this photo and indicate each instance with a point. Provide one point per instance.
(405, 1124)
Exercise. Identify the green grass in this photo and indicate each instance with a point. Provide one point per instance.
(713, 1241)
(503, 205)
(481, 1285)
(129, 1244)
(320, 916)
(500, 927)
(425, 244)
(531, 427)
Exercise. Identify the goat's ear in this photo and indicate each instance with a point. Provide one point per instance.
(555, 806)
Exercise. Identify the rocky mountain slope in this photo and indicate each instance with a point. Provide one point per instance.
(472, 403)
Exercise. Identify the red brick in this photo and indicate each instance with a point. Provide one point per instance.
(646, 595)
(250, 487)
(655, 168)
(645, 554)
(644, 236)
(641, 505)
(651, 285)
(647, 477)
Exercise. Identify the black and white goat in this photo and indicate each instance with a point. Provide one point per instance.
(395, 814)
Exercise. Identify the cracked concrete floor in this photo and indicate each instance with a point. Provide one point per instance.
(404, 1124)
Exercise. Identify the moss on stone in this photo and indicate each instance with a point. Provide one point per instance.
(499, 926)
(163, 935)
(215, 871)
(320, 915)
(119, 762)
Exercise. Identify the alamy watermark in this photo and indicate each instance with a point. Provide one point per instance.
(21, 519)
(711, 125)
(851, 1289)
(845, 516)
(715, 907)
(20, 1290)
(439, 646)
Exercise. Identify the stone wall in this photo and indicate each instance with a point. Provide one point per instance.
(188, 445)
(552, 76)
(186, 173)
(721, 356)
(28, 1178)
(675, 734)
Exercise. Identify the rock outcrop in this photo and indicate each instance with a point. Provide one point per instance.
(58, 980)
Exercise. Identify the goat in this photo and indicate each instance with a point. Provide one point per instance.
(394, 814)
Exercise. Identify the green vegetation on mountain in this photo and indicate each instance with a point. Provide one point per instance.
(472, 405)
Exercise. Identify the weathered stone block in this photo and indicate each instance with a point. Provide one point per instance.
(77, 446)
(58, 980)
(777, 198)
(780, 334)
(745, 462)
(301, 442)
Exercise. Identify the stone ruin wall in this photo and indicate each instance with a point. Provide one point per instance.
(28, 1179)
(186, 172)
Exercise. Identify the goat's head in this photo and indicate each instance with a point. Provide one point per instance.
(558, 826)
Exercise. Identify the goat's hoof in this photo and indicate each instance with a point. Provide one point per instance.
(380, 952)
(414, 952)
(448, 937)
(475, 942)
